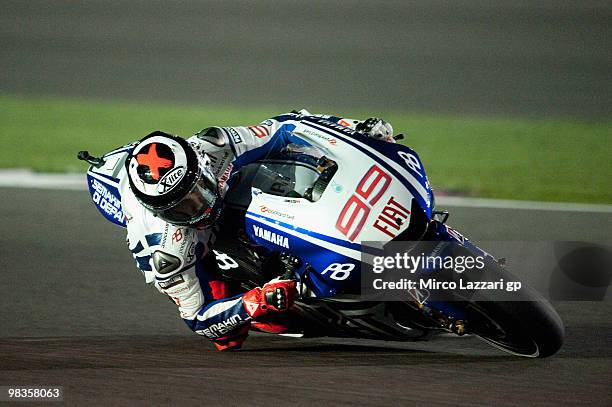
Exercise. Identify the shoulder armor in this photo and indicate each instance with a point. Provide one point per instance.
(212, 135)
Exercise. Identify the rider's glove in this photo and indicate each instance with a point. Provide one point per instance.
(377, 128)
(274, 296)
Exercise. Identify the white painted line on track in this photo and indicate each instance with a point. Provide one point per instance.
(463, 202)
(22, 178)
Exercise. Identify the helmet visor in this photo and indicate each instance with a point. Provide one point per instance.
(196, 206)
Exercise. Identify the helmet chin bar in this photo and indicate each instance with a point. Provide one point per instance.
(203, 223)
(209, 221)
(200, 206)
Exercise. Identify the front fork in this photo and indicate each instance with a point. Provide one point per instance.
(446, 314)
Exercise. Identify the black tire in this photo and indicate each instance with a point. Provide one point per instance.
(523, 328)
(526, 325)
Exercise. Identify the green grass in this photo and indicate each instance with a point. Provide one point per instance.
(513, 159)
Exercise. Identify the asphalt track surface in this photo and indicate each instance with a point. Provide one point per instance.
(486, 57)
(76, 313)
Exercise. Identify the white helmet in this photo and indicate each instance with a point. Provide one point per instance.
(174, 181)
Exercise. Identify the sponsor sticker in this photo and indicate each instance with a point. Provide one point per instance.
(234, 135)
(107, 201)
(259, 131)
(391, 218)
(170, 180)
(172, 282)
(271, 237)
(219, 329)
(331, 140)
(266, 210)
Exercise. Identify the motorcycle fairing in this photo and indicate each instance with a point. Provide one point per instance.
(317, 252)
(401, 161)
(445, 233)
(103, 184)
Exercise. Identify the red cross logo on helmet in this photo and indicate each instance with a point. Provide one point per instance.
(153, 161)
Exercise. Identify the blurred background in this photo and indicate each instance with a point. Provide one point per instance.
(520, 58)
(502, 99)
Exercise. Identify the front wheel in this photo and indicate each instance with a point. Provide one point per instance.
(522, 322)
(527, 325)
(524, 328)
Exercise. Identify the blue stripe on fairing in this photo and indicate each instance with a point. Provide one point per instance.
(286, 117)
(279, 139)
(329, 239)
(120, 150)
(153, 239)
(317, 254)
(294, 116)
(377, 159)
(108, 177)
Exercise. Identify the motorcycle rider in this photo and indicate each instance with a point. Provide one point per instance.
(172, 199)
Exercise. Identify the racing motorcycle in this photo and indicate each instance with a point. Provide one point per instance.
(306, 213)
